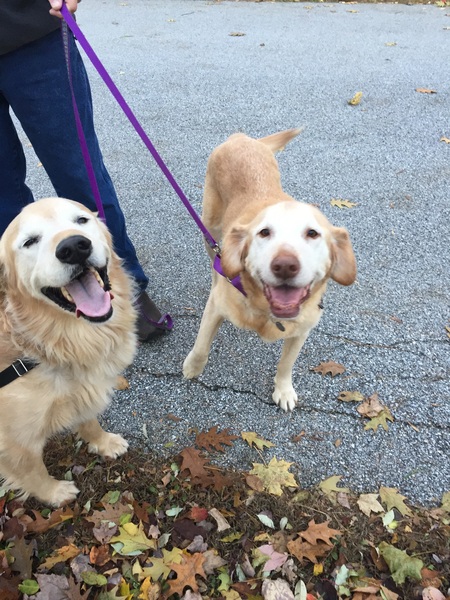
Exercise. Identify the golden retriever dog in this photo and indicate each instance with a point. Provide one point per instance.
(66, 304)
(284, 252)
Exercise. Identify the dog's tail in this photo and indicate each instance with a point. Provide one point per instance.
(277, 141)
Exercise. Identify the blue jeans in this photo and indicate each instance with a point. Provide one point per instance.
(34, 84)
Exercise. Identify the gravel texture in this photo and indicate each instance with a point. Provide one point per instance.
(191, 84)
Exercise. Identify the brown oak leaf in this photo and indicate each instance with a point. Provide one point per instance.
(193, 462)
(331, 367)
(186, 572)
(319, 531)
(111, 514)
(41, 524)
(301, 550)
(99, 555)
(214, 439)
(370, 407)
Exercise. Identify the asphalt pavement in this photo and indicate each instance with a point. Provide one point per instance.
(194, 72)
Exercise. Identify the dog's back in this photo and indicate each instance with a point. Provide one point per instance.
(242, 172)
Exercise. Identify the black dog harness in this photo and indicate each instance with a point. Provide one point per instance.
(19, 368)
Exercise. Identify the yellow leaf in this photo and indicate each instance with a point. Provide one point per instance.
(329, 486)
(340, 203)
(351, 397)
(160, 567)
(390, 44)
(318, 569)
(392, 499)
(356, 99)
(380, 420)
(60, 555)
(253, 438)
(132, 540)
(274, 476)
(425, 91)
(231, 595)
(149, 590)
(236, 34)
(445, 139)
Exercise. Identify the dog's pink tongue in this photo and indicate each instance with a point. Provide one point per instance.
(89, 296)
(285, 300)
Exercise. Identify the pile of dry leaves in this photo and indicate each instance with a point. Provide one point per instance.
(192, 531)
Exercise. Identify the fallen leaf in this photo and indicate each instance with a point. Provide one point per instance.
(371, 407)
(236, 34)
(319, 531)
(331, 367)
(276, 559)
(356, 99)
(393, 499)
(301, 550)
(213, 439)
(380, 420)
(186, 571)
(387, 594)
(431, 593)
(401, 565)
(390, 43)
(340, 203)
(22, 553)
(274, 476)
(253, 439)
(425, 91)
(445, 139)
(60, 555)
(222, 523)
(193, 462)
(329, 486)
(351, 397)
(132, 540)
(277, 589)
(368, 504)
(41, 524)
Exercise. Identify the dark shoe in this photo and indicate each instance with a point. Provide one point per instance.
(151, 323)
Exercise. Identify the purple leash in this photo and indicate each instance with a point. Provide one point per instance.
(71, 23)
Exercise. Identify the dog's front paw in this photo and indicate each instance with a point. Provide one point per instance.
(285, 398)
(59, 493)
(110, 445)
(193, 365)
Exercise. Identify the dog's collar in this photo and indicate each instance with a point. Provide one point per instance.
(18, 368)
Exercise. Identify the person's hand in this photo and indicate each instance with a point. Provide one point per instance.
(56, 5)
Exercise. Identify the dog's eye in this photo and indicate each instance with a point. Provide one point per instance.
(264, 232)
(30, 241)
(81, 220)
(312, 233)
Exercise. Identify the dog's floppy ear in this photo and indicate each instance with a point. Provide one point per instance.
(343, 268)
(234, 250)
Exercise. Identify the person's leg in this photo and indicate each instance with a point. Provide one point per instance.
(38, 91)
(14, 193)
(36, 86)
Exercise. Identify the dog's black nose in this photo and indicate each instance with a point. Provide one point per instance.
(74, 250)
